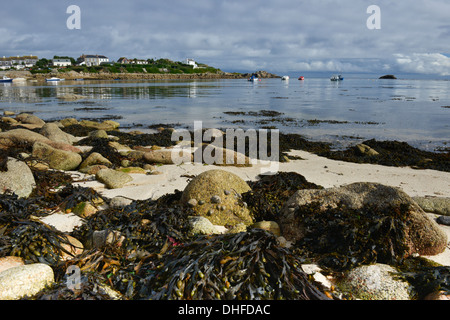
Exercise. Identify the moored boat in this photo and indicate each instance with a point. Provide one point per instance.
(301, 78)
(54, 79)
(254, 77)
(6, 79)
(285, 78)
(336, 78)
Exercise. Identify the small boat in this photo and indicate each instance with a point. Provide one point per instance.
(285, 78)
(254, 77)
(54, 79)
(301, 78)
(6, 79)
(336, 78)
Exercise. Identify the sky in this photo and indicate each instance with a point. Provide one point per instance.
(240, 35)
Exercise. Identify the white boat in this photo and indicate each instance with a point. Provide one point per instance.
(254, 77)
(6, 79)
(336, 78)
(54, 79)
(285, 78)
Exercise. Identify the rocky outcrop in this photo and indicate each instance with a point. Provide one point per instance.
(218, 197)
(388, 76)
(422, 235)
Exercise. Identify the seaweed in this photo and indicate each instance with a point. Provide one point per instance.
(341, 238)
(393, 153)
(270, 192)
(247, 265)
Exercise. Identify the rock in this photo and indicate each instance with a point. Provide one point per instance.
(9, 120)
(106, 125)
(30, 119)
(22, 137)
(388, 76)
(113, 179)
(106, 237)
(68, 122)
(84, 209)
(366, 150)
(211, 154)
(201, 225)
(129, 170)
(56, 158)
(8, 113)
(423, 235)
(64, 222)
(74, 247)
(10, 262)
(18, 178)
(26, 280)
(435, 205)
(98, 134)
(192, 203)
(95, 158)
(54, 133)
(437, 295)
(164, 156)
(119, 202)
(445, 220)
(375, 282)
(214, 182)
(93, 169)
(270, 226)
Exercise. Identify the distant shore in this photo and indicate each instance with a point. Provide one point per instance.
(72, 75)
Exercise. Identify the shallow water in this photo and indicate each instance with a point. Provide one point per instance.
(340, 112)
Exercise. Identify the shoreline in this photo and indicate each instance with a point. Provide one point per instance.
(159, 183)
(73, 75)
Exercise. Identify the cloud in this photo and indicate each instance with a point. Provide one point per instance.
(326, 35)
(425, 63)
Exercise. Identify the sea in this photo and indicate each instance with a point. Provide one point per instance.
(361, 107)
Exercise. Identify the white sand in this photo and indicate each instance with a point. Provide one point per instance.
(319, 170)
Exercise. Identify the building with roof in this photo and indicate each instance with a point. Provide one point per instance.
(91, 60)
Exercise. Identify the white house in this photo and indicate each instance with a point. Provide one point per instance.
(18, 62)
(191, 62)
(91, 60)
(61, 62)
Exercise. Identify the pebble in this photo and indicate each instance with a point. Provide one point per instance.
(192, 202)
(215, 199)
(445, 220)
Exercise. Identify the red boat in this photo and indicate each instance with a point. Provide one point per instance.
(301, 78)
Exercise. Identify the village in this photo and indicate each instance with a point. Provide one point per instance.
(88, 60)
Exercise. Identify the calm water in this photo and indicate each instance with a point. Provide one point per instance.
(354, 109)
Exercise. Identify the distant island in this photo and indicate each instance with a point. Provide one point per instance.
(388, 76)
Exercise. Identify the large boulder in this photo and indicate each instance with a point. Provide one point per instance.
(56, 158)
(26, 280)
(54, 133)
(218, 197)
(25, 137)
(27, 118)
(18, 178)
(376, 282)
(422, 234)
